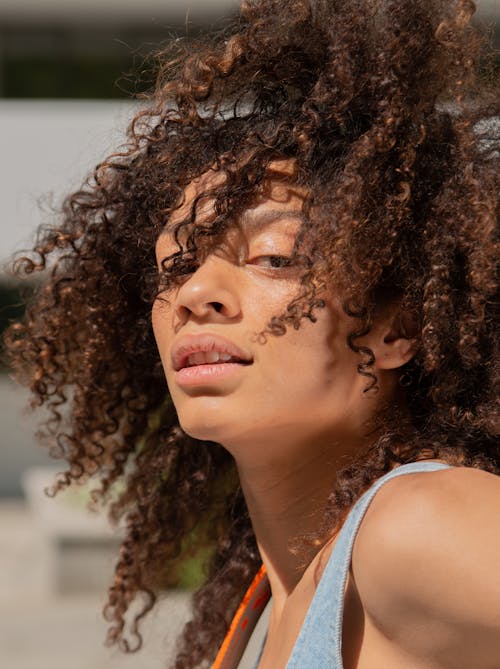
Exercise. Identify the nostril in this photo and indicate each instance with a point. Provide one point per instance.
(217, 306)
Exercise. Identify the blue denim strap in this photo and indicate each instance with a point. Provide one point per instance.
(319, 643)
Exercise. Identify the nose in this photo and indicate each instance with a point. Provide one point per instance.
(210, 293)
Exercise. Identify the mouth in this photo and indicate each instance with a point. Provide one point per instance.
(212, 358)
(207, 350)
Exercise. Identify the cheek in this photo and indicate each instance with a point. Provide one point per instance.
(315, 359)
(299, 360)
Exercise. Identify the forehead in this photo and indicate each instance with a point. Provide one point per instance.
(278, 196)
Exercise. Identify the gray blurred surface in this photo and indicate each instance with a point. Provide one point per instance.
(40, 629)
(48, 148)
(18, 449)
(112, 11)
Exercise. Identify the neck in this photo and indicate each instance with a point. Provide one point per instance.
(286, 501)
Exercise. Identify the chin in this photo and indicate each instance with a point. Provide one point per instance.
(208, 417)
(231, 434)
(204, 430)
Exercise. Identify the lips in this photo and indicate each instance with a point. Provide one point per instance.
(207, 349)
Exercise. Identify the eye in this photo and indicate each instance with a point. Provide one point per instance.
(272, 261)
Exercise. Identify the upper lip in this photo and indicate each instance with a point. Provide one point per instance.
(189, 344)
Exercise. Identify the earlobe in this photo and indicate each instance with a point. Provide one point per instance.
(395, 352)
(397, 342)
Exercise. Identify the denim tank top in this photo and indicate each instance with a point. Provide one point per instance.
(319, 643)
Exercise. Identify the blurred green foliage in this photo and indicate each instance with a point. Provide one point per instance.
(13, 298)
(12, 302)
(76, 78)
(75, 63)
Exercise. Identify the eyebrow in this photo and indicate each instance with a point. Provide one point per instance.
(259, 219)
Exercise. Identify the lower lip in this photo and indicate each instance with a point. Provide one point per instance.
(206, 374)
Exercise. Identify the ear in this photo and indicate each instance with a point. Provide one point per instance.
(393, 339)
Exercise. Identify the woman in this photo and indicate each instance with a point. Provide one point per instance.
(322, 207)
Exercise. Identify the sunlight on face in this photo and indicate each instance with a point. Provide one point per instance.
(226, 383)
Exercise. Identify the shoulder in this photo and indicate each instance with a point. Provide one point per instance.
(445, 506)
(436, 498)
(427, 557)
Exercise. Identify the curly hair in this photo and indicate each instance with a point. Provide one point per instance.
(378, 103)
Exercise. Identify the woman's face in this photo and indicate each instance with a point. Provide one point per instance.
(227, 384)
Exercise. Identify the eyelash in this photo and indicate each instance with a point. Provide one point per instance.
(282, 262)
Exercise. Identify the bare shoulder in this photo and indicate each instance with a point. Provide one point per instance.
(444, 495)
(426, 504)
(426, 558)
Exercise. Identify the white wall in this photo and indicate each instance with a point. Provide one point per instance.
(46, 150)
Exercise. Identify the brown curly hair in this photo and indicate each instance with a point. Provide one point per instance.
(377, 102)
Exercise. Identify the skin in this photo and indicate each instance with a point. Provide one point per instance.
(292, 417)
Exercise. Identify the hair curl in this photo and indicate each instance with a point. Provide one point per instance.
(376, 101)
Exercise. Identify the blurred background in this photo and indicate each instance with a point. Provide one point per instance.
(69, 73)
